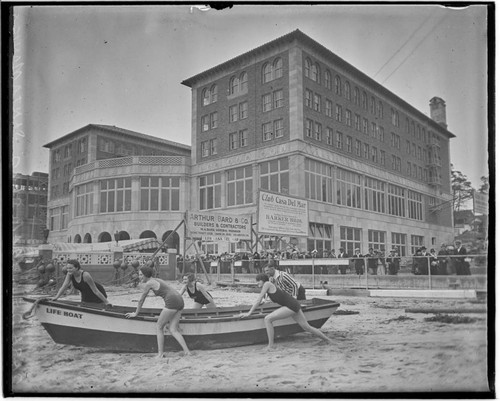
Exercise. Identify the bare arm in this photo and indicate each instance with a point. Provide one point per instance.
(263, 292)
(183, 289)
(90, 281)
(207, 296)
(141, 301)
(65, 284)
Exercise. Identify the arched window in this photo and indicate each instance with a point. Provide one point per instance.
(328, 80)
(104, 237)
(315, 73)
(243, 82)
(78, 239)
(123, 235)
(87, 239)
(356, 96)
(213, 94)
(267, 73)
(364, 101)
(347, 90)
(205, 95)
(278, 68)
(234, 84)
(147, 234)
(308, 68)
(380, 109)
(338, 85)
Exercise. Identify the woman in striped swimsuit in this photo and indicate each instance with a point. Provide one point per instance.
(290, 307)
(171, 314)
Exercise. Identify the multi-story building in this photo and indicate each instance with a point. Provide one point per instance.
(292, 117)
(29, 207)
(289, 117)
(106, 180)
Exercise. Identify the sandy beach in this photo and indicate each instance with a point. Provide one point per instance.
(381, 349)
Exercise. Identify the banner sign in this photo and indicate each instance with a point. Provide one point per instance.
(216, 227)
(480, 203)
(284, 215)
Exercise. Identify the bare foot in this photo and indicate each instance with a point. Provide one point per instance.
(160, 356)
(188, 353)
(270, 348)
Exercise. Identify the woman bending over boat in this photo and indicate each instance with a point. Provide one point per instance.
(290, 307)
(91, 290)
(171, 314)
(197, 292)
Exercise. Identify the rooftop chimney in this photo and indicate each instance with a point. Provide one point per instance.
(438, 110)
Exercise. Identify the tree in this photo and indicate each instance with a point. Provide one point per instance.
(461, 189)
(485, 186)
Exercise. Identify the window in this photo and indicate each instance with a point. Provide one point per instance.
(238, 139)
(307, 68)
(243, 82)
(115, 195)
(267, 104)
(213, 146)
(318, 181)
(417, 241)
(328, 80)
(340, 140)
(374, 155)
(309, 96)
(82, 145)
(278, 98)
(317, 102)
(210, 191)
(243, 110)
(239, 186)
(84, 200)
(395, 119)
(357, 122)
(315, 73)
(366, 151)
(395, 140)
(204, 149)
(396, 163)
(233, 140)
(234, 85)
(338, 113)
(54, 219)
(350, 239)
(380, 109)
(374, 195)
(376, 240)
(243, 138)
(365, 126)
(348, 118)
(358, 147)
(374, 130)
(64, 217)
(338, 85)
(415, 205)
(347, 90)
(329, 136)
(213, 94)
(205, 123)
(267, 73)
(396, 200)
(278, 68)
(160, 193)
(278, 128)
(317, 131)
(348, 144)
(356, 96)
(309, 128)
(233, 113)
(372, 106)
(399, 242)
(348, 188)
(267, 131)
(328, 108)
(364, 101)
(213, 120)
(408, 169)
(274, 175)
(320, 237)
(382, 157)
(381, 134)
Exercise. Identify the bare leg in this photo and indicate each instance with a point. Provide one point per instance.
(301, 320)
(197, 305)
(166, 316)
(174, 330)
(278, 314)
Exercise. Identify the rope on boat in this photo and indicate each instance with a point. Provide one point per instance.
(29, 314)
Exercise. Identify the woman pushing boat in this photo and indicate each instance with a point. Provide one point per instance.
(91, 291)
(290, 307)
(197, 292)
(171, 313)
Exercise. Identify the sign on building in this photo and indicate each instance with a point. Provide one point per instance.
(284, 215)
(219, 226)
(480, 203)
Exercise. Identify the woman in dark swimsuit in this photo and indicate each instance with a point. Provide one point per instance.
(290, 307)
(90, 290)
(197, 292)
(171, 313)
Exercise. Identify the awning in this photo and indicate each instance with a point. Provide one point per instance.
(129, 245)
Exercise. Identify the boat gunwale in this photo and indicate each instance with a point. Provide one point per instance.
(211, 315)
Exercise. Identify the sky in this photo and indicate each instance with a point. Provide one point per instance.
(123, 65)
